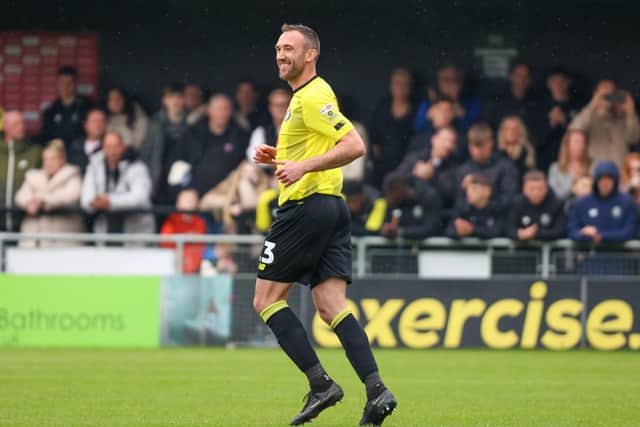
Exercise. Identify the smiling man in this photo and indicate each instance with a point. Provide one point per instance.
(310, 241)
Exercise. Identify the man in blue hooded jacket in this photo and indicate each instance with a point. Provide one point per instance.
(606, 214)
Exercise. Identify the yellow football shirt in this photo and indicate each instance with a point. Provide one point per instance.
(311, 127)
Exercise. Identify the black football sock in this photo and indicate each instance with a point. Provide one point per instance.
(356, 345)
(294, 341)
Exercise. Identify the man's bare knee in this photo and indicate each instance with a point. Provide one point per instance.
(268, 293)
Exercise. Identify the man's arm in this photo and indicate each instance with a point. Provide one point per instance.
(346, 150)
(349, 148)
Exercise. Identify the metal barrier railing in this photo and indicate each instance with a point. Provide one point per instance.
(544, 251)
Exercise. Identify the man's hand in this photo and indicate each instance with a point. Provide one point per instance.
(33, 206)
(265, 154)
(463, 227)
(466, 181)
(101, 202)
(528, 233)
(290, 172)
(628, 106)
(591, 231)
(557, 117)
(390, 230)
(423, 170)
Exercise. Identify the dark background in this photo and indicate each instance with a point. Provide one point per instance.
(144, 44)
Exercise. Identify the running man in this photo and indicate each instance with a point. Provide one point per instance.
(310, 240)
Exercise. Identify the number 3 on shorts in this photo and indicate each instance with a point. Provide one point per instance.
(268, 256)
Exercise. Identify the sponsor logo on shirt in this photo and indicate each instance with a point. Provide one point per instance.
(339, 125)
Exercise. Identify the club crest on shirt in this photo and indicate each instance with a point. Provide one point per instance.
(23, 164)
(545, 219)
(526, 220)
(418, 212)
(593, 213)
(288, 115)
(616, 211)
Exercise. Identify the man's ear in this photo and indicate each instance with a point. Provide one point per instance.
(311, 55)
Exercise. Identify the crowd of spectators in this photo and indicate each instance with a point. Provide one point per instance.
(522, 163)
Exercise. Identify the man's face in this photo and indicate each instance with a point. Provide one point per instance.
(606, 185)
(449, 83)
(95, 125)
(478, 195)
(444, 142)
(291, 55)
(400, 85)
(220, 111)
(246, 95)
(442, 114)
(278, 104)
(113, 147)
(192, 97)
(535, 190)
(558, 84)
(66, 86)
(173, 102)
(481, 151)
(582, 186)
(520, 78)
(14, 128)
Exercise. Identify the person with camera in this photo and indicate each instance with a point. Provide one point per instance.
(610, 121)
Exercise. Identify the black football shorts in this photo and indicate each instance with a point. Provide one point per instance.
(309, 242)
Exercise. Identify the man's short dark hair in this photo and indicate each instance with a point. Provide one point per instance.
(175, 88)
(311, 39)
(394, 181)
(480, 179)
(68, 70)
(480, 133)
(534, 175)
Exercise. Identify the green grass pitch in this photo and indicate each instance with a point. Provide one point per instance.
(247, 387)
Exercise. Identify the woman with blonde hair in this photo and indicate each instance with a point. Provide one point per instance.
(513, 141)
(573, 162)
(630, 176)
(56, 186)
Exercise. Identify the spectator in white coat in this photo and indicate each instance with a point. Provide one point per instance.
(115, 183)
(55, 186)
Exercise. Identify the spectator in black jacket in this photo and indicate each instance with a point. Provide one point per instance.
(64, 117)
(500, 171)
(81, 149)
(476, 215)
(367, 209)
(391, 127)
(411, 214)
(558, 109)
(164, 150)
(536, 214)
(434, 165)
(517, 100)
(216, 146)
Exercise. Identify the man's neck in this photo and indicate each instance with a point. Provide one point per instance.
(303, 78)
(560, 97)
(174, 116)
(481, 204)
(67, 100)
(217, 128)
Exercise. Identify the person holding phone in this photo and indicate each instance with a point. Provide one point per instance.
(610, 121)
